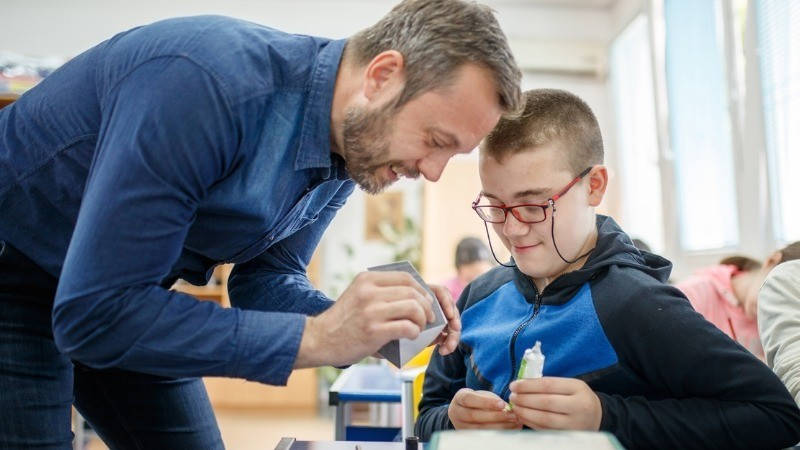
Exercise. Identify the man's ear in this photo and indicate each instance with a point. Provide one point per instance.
(598, 182)
(384, 76)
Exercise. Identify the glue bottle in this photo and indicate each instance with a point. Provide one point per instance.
(531, 366)
(532, 362)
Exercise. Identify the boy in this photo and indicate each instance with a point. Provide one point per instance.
(625, 352)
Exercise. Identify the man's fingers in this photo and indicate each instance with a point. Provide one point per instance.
(445, 300)
(400, 310)
(405, 287)
(448, 340)
(400, 293)
(396, 278)
(397, 329)
(448, 307)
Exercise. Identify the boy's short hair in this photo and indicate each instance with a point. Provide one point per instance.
(549, 115)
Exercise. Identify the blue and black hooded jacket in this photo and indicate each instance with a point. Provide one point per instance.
(666, 378)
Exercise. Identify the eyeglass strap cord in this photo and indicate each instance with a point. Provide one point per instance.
(552, 236)
(492, 247)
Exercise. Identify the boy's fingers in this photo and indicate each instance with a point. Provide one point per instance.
(546, 385)
(555, 403)
(449, 342)
(448, 307)
(542, 420)
(481, 400)
(482, 416)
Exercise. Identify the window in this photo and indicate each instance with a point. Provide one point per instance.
(634, 104)
(778, 35)
(700, 125)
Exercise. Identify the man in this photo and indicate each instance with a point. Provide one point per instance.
(178, 145)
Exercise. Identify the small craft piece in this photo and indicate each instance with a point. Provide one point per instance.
(400, 351)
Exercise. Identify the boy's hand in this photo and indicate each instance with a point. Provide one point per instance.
(480, 409)
(553, 403)
(448, 339)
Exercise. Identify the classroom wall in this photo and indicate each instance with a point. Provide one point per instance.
(46, 27)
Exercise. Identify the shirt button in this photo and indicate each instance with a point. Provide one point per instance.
(272, 237)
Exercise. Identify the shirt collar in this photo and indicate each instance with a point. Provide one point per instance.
(314, 149)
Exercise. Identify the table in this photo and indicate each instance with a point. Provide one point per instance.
(292, 444)
(374, 383)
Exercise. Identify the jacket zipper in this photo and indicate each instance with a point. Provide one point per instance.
(537, 303)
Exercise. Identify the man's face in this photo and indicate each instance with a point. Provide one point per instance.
(380, 144)
(534, 176)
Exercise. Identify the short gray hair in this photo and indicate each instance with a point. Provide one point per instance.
(436, 37)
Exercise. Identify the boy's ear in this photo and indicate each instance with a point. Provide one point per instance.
(384, 75)
(598, 182)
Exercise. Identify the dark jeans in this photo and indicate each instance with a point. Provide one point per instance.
(38, 384)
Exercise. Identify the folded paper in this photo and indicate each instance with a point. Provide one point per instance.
(400, 351)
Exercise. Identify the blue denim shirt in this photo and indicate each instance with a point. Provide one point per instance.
(158, 154)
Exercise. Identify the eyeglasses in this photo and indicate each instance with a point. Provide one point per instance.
(525, 213)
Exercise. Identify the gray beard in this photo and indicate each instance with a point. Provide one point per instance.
(366, 148)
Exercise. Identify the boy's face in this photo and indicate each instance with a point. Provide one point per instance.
(534, 176)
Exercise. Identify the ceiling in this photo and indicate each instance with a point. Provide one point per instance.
(584, 4)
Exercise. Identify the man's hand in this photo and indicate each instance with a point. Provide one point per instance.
(376, 308)
(552, 403)
(480, 409)
(448, 339)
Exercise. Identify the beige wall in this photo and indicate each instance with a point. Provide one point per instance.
(447, 217)
(299, 393)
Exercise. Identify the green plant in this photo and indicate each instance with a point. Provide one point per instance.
(405, 241)
(343, 278)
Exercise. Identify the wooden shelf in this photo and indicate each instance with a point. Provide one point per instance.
(300, 393)
(6, 98)
(213, 292)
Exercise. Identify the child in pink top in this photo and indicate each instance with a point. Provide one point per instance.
(472, 260)
(726, 294)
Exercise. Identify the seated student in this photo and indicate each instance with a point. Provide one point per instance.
(625, 352)
(726, 294)
(779, 323)
(472, 260)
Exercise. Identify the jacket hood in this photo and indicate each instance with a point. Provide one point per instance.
(613, 248)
